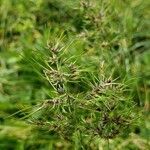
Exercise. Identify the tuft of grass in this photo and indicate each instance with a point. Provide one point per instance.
(74, 75)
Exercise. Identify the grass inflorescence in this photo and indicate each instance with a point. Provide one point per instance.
(74, 75)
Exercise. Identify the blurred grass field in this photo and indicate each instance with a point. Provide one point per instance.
(113, 32)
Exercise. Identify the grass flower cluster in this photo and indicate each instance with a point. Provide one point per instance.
(74, 74)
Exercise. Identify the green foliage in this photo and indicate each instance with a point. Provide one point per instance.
(74, 75)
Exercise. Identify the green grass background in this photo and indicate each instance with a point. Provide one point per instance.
(113, 31)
